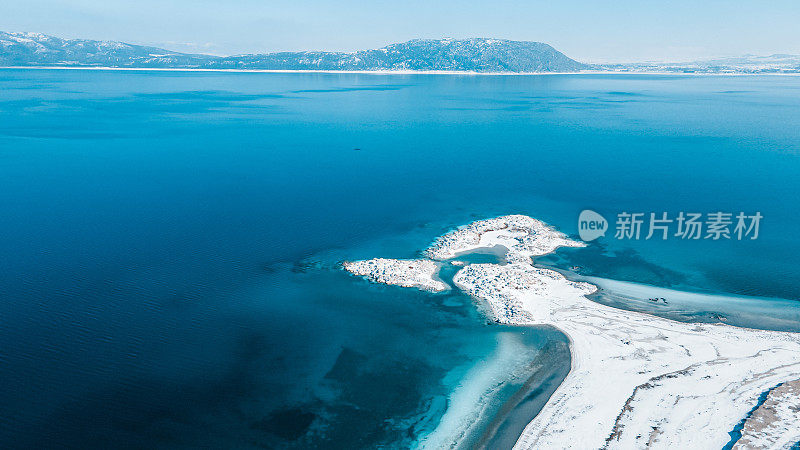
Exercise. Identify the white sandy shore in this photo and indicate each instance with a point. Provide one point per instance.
(637, 381)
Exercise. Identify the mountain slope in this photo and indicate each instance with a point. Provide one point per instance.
(478, 55)
(35, 49)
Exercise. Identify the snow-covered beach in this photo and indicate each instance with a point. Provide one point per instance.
(637, 381)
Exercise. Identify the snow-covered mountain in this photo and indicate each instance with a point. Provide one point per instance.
(36, 49)
(478, 55)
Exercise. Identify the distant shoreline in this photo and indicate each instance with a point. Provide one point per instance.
(388, 72)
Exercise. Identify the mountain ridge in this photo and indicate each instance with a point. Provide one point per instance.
(460, 55)
(472, 55)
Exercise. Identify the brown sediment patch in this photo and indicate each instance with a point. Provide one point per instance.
(769, 425)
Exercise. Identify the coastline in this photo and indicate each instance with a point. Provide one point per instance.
(635, 379)
(528, 401)
(393, 72)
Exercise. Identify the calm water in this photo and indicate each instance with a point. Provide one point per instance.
(170, 240)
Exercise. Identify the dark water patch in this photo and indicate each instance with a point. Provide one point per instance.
(24, 86)
(625, 265)
(543, 106)
(368, 393)
(143, 105)
(20, 104)
(288, 424)
(78, 116)
(144, 411)
(48, 133)
(771, 280)
(393, 87)
(625, 94)
(304, 266)
(205, 96)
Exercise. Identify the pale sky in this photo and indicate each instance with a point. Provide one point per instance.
(589, 31)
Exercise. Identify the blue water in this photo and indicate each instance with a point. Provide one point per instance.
(170, 239)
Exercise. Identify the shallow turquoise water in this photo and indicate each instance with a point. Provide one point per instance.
(170, 239)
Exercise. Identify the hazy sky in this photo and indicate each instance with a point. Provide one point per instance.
(591, 31)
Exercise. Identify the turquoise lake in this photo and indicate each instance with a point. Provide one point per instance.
(171, 242)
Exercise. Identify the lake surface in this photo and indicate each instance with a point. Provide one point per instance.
(171, 240)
